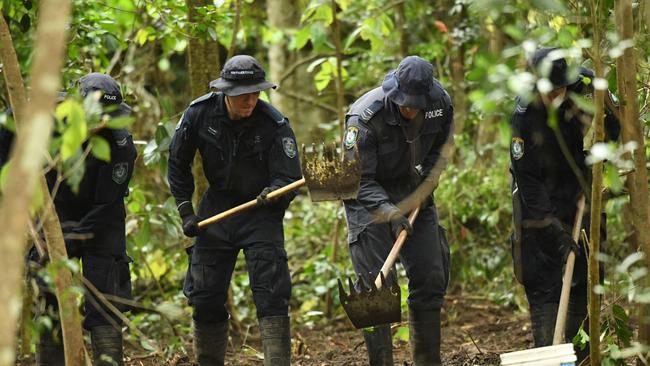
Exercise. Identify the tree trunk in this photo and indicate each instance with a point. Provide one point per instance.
(596, 200)
(289, 71)
(27, 157)
(487, 129)
(203, 58)
(203, 65)
(631, 131)
(400, 20)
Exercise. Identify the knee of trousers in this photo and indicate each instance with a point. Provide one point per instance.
(270, 281)
(427, 293)
(209, 311)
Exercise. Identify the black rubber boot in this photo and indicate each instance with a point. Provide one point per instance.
(577, 316)
(210, 343)
(543, 319)
(49, 351)
(106, 342)
(276, 340)
(424, 337)
(379, 343)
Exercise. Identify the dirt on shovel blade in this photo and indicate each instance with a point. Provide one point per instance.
(371, 307)
(329, 176)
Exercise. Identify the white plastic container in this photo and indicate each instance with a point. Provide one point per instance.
(559, 355)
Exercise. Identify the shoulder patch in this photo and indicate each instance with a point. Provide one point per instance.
(517, 148)
(289, 147)
(275, 114)
(203, 98)
(371, 110)
(120, 172)
(351, 136)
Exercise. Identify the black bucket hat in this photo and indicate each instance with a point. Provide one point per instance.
(549, 63)
(111, 97)
(242, 74)
(411, 84)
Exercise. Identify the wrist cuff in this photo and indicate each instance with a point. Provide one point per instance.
(185, 209)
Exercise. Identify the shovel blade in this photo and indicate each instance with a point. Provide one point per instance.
(372, 307)
(329, 176)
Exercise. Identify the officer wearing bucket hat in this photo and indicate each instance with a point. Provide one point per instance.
(93, 222)
(399, 130)
(248, 149)
(546, 190)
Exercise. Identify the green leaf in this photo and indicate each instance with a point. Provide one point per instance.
(100, 148)
(163, 64)
(141, 36)
(4, 173)
(402, 334)
(76, 131)
(300, 38)
(119, 122)
(324, 76)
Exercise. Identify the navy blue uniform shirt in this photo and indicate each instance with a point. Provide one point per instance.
(396, 154)
(240, 158)
(547, 184)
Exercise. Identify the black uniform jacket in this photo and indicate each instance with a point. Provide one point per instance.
(543, 175)
(240, 158)
(98, 206)
(396, 154)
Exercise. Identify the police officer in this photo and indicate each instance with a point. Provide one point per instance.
(546, 189)
(93, 221)
(400, 129)
(248, 149)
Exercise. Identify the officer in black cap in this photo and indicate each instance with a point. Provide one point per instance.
(399, 130)
(248, 149)
(546, 189)
(93, 221)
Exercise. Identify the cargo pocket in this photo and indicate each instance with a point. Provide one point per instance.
(203, 268)
(188, 283)
(123, 281)
(515, 246)
(446, 254)
(100, 271)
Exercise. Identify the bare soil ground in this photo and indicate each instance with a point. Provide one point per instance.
(475, 331)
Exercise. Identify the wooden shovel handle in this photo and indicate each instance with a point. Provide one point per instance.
(252, 203)
(560, 322)
(394, 252)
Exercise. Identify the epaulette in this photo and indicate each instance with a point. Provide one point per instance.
(121, 136)
(519, 108)
(275, 114)
(203, 98)
(371, 110)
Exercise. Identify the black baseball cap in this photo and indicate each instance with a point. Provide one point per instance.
(549, 63)
(111, 96)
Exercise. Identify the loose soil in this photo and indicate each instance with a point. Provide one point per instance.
(475, 331)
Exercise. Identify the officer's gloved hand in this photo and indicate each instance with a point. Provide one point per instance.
(566, 245)
(262, 198)
(399, 222)
(562, 241)
(190, 220)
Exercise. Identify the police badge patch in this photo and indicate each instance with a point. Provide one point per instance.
(120, 172)
(351, 136)
(289, 147)
(517, 148)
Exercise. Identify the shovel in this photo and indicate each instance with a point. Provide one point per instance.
(380, 304)
(328, 178)
(558, 352)
(560, 322)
